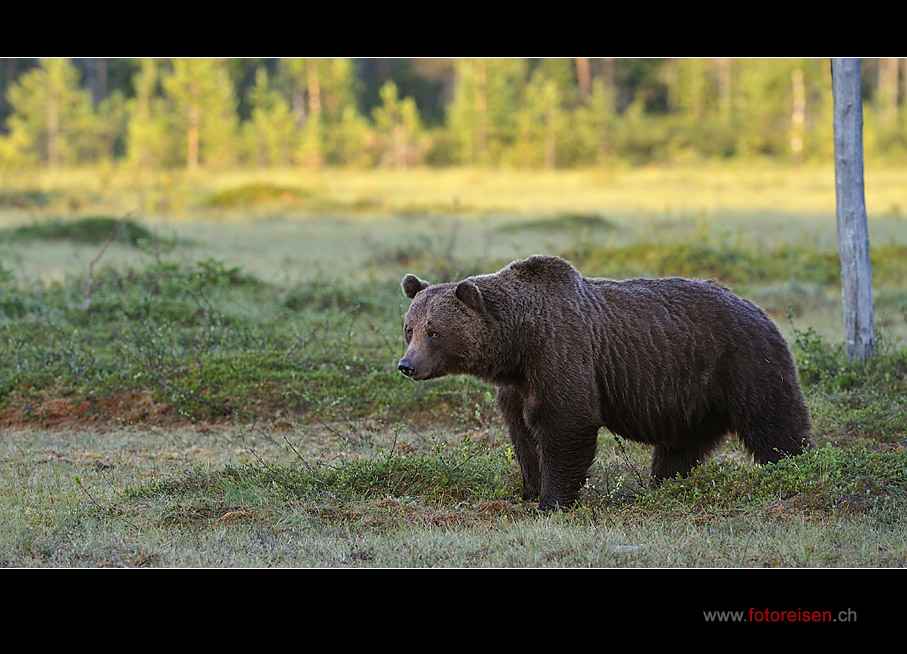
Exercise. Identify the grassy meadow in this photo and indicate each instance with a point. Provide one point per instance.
(201, 371)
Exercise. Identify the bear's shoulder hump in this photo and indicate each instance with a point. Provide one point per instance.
(544, 267)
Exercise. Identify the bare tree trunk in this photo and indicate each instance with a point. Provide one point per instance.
(192, 137)
(853, 234)
(298, 107)
(608, 78)
(96, 73)
(903, 65)
(583, 77)
(314, 88)
(798, 115)
(312, 139)
(53, 126)
(723, 66)
(481, 112)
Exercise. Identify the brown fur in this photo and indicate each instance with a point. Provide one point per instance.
(675, 363)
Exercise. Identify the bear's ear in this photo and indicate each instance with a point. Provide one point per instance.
(412, 285)
(470, 295)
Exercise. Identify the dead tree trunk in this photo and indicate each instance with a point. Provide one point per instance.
(853, 234)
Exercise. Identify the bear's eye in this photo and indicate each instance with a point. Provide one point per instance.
(408, 333)
(433, 335)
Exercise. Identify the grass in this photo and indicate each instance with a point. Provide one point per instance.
(186, 502)
(228, 396)
(640, 192)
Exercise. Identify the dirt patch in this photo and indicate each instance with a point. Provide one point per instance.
(49, 411)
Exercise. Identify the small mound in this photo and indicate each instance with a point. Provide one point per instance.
(561, 222)
(94, 230)
(258, 195)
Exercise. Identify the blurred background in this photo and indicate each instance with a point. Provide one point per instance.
(401, 113)
(307, 168)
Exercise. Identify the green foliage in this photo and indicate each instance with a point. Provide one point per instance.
(702, 259)
(480, 117)
(400, 137)
(270, 135)
(823, 365)
(541, 122)
(14, 303)
(149, 122)
(827, 479)
(203, 107)
(852, 402)
(729, 262)
(48, 107)
(211, 341)
(469, 472)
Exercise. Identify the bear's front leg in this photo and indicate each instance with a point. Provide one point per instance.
(565, 454)
(511, 405)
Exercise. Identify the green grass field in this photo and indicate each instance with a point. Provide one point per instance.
(216, 384)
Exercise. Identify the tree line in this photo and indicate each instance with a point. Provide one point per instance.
(502, 112)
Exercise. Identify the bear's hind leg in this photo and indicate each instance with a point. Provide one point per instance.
(773, 435)
(668, 463)
(773, 450)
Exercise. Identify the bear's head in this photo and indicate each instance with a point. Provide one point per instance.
(447, 330)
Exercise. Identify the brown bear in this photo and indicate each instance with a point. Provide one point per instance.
(675, 363)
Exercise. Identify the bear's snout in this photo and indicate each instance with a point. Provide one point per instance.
(406, 368)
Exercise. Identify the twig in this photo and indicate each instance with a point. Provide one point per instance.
(626, 456)
(100, 506)
(298, 455)
(113, 232)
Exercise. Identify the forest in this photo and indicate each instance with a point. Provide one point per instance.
(519, 113)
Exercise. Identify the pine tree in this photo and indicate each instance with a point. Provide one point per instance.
(304, 77)
(49, 111)
(270, 134)
(482, 116)
(400, 137)
(593, 124)
(542, 117)
(148, 145)
(467, 114)
(204, 109)
(338, 78)
(349, 139)
(323, 102)
(99, 130)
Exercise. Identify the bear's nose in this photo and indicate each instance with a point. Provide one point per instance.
(406, 368)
